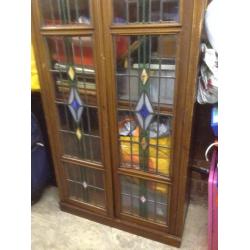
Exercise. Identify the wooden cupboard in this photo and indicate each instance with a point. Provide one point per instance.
(118, 83)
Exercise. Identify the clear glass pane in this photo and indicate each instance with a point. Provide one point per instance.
(126, 203)
(146, 199)
(60, 12)
(150, 56)
(85, 184)
(75, 51)
(146, 11)
(72, 65)
(88, 148)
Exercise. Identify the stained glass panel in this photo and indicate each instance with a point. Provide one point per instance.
(146, 199)
(72, 68)
(145, 78)
(85, 184)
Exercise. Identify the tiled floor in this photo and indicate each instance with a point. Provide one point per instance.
(53, 229)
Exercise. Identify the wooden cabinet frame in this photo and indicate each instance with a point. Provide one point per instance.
(188, 32)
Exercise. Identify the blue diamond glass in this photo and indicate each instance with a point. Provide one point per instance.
(144, 111)
(75, 105)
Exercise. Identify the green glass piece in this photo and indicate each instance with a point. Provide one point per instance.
(144, 143)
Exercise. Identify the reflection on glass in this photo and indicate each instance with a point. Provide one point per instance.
(146, 11)
(85, 184)
(72, 65)
(146, 199)
(60, 12)
(154, 152)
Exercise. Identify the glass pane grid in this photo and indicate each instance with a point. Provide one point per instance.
(146, 199)
(61, 12)
(152, 145)
(145, 11)
(137, 197)
(85, 105)
(72, 68)
(85, 185)
(87, 135)
(90, 186)
(145, 71)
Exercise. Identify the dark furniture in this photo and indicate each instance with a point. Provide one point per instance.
(118, 88)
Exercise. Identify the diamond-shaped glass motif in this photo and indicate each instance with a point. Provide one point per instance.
(78, 134)
(143, 199)
(144, 111)
(71, 73)
(144, 76)
(85, 185)
(75, 104)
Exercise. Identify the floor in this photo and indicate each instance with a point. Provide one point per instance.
(53, 229)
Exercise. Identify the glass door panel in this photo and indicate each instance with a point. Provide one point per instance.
(145, 79)
(145, 11)
(73, 71)
(145, 199)
(85, 184)
(61, 12)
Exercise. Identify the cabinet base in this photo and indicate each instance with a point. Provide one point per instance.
(122, 225)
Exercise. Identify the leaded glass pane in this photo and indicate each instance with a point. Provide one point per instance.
(146, 199)
(145, 11)
(145, 78)
(61, 12)
(72, 68)
(85, 184)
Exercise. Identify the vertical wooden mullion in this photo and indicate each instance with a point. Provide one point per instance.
(110, 92)
(102, 87)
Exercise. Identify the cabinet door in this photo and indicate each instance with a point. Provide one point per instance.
(147, 72)
(72, 92)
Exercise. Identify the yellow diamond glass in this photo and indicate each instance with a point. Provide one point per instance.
(144, 76)
(78, 134)
(71, 73)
